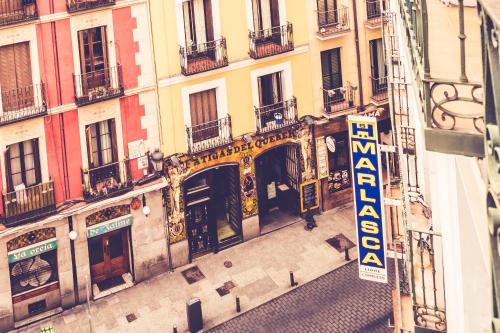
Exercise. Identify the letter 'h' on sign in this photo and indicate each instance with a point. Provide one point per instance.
(368, 199)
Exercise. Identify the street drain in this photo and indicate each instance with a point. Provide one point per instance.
(340, 242)
(131, 317)
(228, 264)
(226, 288)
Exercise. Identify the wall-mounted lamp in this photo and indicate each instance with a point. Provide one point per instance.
(73, 235)
(157, 159)
(145, 208)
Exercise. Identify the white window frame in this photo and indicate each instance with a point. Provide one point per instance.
(249, 12)
(220, 94)
(180, 21)
(286, 72)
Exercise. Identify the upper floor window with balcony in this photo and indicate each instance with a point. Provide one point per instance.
(269, 36)
(332, 19)
(374, 13)
(378, 71)
(27, 197)
(20, 98)
(273, 111)
(78, 5)
(207, 129)
(336, 97)
(16, 11)
(201, 51)
(97, 81)
(106, 174)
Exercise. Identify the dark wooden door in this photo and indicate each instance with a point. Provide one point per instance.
(108, 255)
(198, 218)
(93, 58)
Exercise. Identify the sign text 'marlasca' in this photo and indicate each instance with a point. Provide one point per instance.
(367, 190)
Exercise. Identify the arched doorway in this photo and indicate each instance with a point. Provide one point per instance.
(213, 209)
(277, 174)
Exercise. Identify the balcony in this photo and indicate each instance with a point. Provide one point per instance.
(272, 41)
(379, 91)
(106, 181)
(13, 12)
(79, 5)
(449, 96)
(333, 23)
(279, 115)
(97, 86)
(373, 14)
(29, 204)
(22, 103)
(204, 57)
(339, 100)
(209, 135)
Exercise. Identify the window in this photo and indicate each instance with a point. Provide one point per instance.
(93, 58)
(378, 66)
(22, 165)
(15, 76)
(327, 12)
(331, 70)
(198, 22)
(266, 14)
(34, 272)
(339, 175)
(203, 109)
(101, 143)
(270, 89)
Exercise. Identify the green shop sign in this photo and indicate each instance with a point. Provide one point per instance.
(33, 250)
(108, 226)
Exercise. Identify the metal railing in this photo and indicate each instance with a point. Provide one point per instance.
(338, 99)
(12, 12)
(275, 116)
(100, 85)
(22, 103)
(203, 57)
(333, 21)
(268, 42)
(379, 89)
(373, 13)
(106, 181)
(29, 204)
(209, 135)
(78, 5)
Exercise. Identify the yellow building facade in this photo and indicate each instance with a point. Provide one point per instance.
(248, 93)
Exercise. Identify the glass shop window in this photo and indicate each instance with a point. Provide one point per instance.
(339, 176)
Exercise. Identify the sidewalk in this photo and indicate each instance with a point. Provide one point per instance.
(260, 271)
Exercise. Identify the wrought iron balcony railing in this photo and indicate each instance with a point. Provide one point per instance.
(333, 22)
(22, 103)
(97, 86)
(373, 14)
(275, 116)
(272, 41)
(29, 204)
(203, 57)
(379, 90)
(79, 5)
(106, 181)
(209, 135)
(12, 12)
(338, 100)
(452, 104)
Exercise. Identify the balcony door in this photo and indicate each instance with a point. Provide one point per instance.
(266, 14)
(102, 154)
(203, 109)
(327, 12)
(331, 71)
(378, 67)
(22, 165)
(270, 97)
(16, 83)
(93, 59)
(198, 25)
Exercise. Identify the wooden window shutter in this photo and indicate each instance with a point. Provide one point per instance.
(257, 23)
(336, 68)
(209, 22)
(104, 46)
(36, 158)
(23, 65)
(8, 171)
(275, 13)
(114, 143)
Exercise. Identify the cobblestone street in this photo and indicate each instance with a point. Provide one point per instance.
(336, 302)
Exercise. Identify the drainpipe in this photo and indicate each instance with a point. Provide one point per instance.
(73, 262)
(358, 56)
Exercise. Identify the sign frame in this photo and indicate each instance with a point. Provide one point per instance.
(322, 158)
(27, 251)
(368, 199)
(316, 205)
(103, 227)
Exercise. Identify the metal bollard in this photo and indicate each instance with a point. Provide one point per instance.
(238, 305)
(292, 280)
(175, 329)
(346, 250)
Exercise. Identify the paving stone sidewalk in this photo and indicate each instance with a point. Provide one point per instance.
(260, 271)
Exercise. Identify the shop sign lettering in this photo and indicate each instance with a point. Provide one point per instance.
(108, 226)
(236, 149)
(32, 251)
(367, 190)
